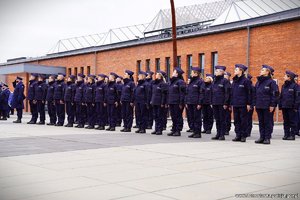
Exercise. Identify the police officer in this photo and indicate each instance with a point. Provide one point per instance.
(190, 130)
(119, 82)
(250, 112)
(220, 101)
(127, 100)
(59, 94)
(79, 100)
(288, 103)
(69, 100)
(158, 101)
(266, 94)
(40, 94)
(228, 111)
(241, 101)
(194, 101)
(90, 101)
(208, 117)
(4, 101)
(142, 96)
(30, 98)
(18, 99)
(149, 80)
(112, 97)
(50, 100)
(175, 100)
(101, 116)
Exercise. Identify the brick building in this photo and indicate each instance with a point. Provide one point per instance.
(251, 32)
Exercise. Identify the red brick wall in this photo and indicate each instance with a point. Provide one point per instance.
(277, 45)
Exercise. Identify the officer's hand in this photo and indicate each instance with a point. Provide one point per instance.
(82, 104)
(131, 104)
(162, 106)
(34, 101)
(43, 102)
(61, 102)
(116, 104)
(225, 107)
(166, 106)
(198, 107)
(272, 109)
(229, 108)
(120, 103)
(104, 104)
(248, 108)
(181, 106)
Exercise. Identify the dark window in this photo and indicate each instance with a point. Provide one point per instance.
(157, 64)
(214, 61)
(88, 70)
(189, 64)
(202, 62)
(178, 62)
(75, 71)
(168, 68)
(69, 71)
(82, 70)
(147, 65)
(138, 65)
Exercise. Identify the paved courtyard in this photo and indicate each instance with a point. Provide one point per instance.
(56, 163)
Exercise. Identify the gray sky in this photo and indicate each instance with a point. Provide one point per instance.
(32, 27)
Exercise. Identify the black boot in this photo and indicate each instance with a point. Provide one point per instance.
(18, 121)
(190, 131)
(215, 138)
(41, 123)
(243, 139)
(170, 134)
(89, 127)
(112, 129)
(51, 124)
(291, 138)
(69, 125)
(267, 141)
(222, 138)
(259, 141)
(197, 135)
(177, 134)
(108, 129)
(158, 132)
(143, 131)
(123, 130)
(192, 135)
(137, 131)
(236, 139)
(31, 122)
(153, 133)
(80, 126)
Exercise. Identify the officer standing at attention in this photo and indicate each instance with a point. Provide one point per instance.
(194, 101)
(142, 96)
(208, 117)
(30, 98)
(18, 99)
(220, 101)
(79, 100)
(111, 101)
(228, 111)
(241, 101)
(266, 93)
(50, 101)
(40, 94)
(90, 101)
(289, 103)
(119, 82)
(158, 101)
(101, 116)
(59, 94)
(4, 101)
(127, 100)
(175, 100)
(149, 79)
(69, 100)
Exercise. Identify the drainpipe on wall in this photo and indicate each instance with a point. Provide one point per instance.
(95, 63)
(248, 48)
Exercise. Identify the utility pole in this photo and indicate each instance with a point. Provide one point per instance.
(174, 33)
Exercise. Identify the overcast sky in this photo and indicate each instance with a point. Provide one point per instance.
(31, 28)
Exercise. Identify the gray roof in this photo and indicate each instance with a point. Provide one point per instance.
(31, 68)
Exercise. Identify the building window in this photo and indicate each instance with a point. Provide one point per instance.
(202, 62)
(82, 70)
(178, 62)
(168, 68)
(75, 71)
(88, 69)
(69, 71)
(189, 64)
(147, 65)
(157, 64)
(214, 61)
(139, 65)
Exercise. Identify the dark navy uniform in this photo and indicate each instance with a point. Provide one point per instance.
(59, 94)
(89, 100)
(149, 80)
(30, 98)
(241, 98)
(142, 98)
(99, 102)
(208, 117)
(69, 101)
(51, 103)
(127, 99)
(111, 99)
(220, 98)
(79, 100)
(228, 111)
(4, 96)
(158, 102)
(40, 94)
(119, 107)
(266, 96)
(288, 103)
(194, 101)
(175, 100)
(250, 112)
(18, 98)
